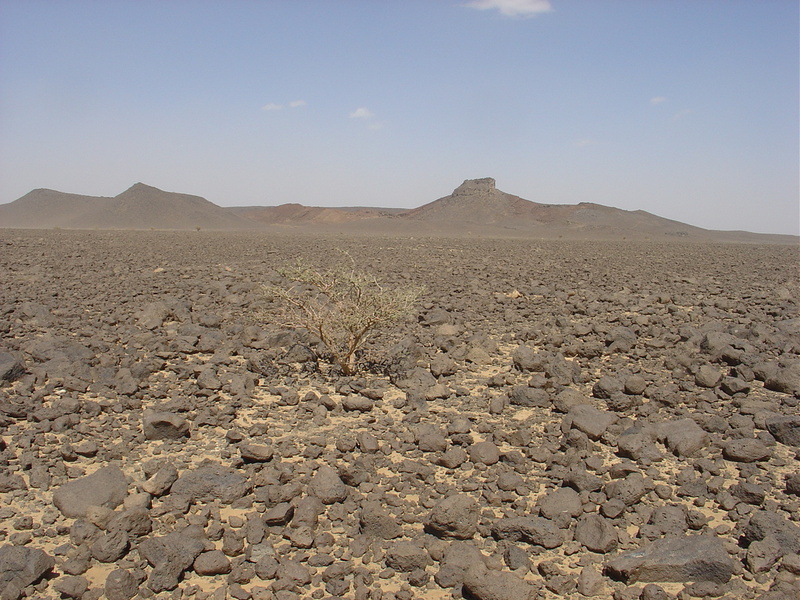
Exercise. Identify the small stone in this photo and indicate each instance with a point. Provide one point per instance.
(629, 490)
(561, 500)
(280, 514)
(357, 403)
(256, 453)
(591, 583)
(763, 524)
(171, 555)
(533, 530)
(71, 586)
(211, 481)
(596, 533)
(161, 481)
(110, 547)
(405, 556)
(485, 453)
(164, 425)
(653, 592)
(606, 387)
(376, 522)
(635, 385)
(683, 437)
(453, 458)
(121, 585)
(708, 376)
(328, 486)
(213, 562)
(750, 493)
(590, 420)
(763, 554)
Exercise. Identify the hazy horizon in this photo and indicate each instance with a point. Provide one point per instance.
(684, 109)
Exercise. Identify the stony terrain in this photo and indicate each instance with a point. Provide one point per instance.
(559, 420)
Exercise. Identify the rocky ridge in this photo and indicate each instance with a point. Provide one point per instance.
(475, 208)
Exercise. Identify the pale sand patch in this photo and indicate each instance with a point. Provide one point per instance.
(98, 573)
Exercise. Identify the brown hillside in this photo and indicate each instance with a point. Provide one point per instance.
(478, 201)
(45, 209)
(476, 208)
(139, 207)
(299, 215)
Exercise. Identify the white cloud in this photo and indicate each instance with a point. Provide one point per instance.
(513, 8)
(362, 113)
(657, 100)
(585, 142)
(680, 115)
(297, 103)
(272, 106)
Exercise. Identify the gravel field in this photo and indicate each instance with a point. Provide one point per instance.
(558, 419)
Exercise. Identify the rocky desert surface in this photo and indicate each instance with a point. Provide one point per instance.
(558, 419)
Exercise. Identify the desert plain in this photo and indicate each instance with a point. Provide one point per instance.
(557, 419)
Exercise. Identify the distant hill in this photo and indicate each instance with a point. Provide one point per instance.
(475, 208)
(139, 207)
(478, 208)
(479, 202)
(298, 214)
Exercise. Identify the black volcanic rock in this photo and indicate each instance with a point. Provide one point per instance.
(21, 566)
(684, 558)
(314, 500)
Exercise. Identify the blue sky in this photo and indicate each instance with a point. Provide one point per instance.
(685, 108)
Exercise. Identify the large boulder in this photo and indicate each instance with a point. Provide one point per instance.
(105, 487)
(746, 450)
(211, 482)
(482, 583)
(456, 517)
(21, 566)
(533, 530)
(684, 558)
(171, 555)
(457, 559)
(785, 429)
(763, 524)
(11, 368)
(683, 437)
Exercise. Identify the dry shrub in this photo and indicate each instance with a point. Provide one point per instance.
(341, 306)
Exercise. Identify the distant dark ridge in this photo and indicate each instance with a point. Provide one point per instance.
(475, 208)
